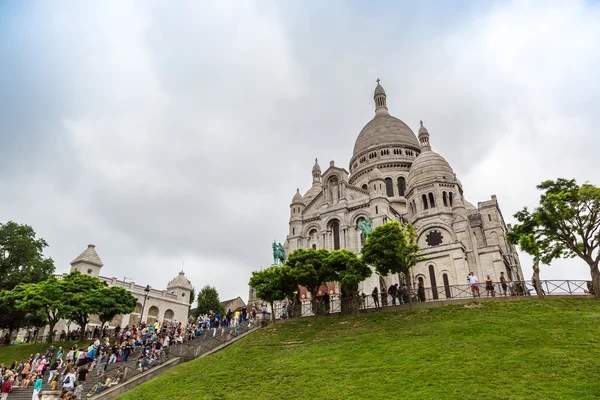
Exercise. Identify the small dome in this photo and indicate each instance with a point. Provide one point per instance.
(427, 166)
(316, 167)
(378, 89)
(385, 130)
(375, 174)
(297, 197)
(422, 129)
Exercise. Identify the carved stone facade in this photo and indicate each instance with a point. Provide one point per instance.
(395, 176)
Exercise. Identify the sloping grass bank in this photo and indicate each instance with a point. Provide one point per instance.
(525, 349)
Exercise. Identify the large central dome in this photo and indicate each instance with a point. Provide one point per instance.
(383, 129)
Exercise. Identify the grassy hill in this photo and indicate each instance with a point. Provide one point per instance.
(526, 349)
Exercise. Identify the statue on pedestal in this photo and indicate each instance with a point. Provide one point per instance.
(278, 254)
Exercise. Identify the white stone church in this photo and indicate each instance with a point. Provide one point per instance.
(394, 175)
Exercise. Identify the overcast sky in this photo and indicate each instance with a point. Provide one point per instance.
(170, 133)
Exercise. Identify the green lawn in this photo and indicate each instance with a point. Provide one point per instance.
(526, 349)
(19, 352)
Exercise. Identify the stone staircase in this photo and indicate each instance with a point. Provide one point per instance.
(92, 379)
(186, 351)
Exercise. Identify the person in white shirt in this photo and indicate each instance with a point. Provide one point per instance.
(474, 282)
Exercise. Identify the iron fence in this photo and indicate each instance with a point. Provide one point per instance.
(333, 304)
(209, 340)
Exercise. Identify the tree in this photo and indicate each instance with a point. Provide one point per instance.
(350, 271)
(21, 261)
(12, 318)
(311, 270)
(45, 300)
(272, 284)
(82, 297)
(113, 301)
(392, 249)
(566, 223)
(208, 299)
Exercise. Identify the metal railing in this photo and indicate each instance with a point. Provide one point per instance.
(209, 340)
(338, 305)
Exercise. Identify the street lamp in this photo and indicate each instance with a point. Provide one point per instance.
(147, 290)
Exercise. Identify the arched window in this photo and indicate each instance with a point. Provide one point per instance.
(314, 246)
(335, 230)
(365, 187)
(138, 308)
(152, 315)
(312, 233)
(401, 186)
(293, 231)
(431, 200)
(446, 286)
(169, 315)
(425, 206)
(434, 291)
(450, 198)
(445, 199)
(389, 187)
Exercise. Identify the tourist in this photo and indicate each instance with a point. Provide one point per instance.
(421, 292)
(6, 388)
(375, 295)
(53, 371)
(474, 282)
(489, 287)
(393, 290)
(37, 387)
(503, 283)
(404, 296)
(590, 288)
(68, 382)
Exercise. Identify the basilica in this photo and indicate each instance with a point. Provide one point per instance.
(394, 175)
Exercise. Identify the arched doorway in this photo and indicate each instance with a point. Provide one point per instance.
(434, 291)
(447, 286)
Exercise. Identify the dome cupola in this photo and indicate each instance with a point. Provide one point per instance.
(429, 166)
(297, 198)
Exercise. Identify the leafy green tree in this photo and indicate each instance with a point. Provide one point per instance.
(566, 223)
(392, 249)
(311, 270)
(208, 299)
(13, 318)
(82, 297)
(21, 261)
(350, 271)
(45, 300)
(272, 284)
(113, 301)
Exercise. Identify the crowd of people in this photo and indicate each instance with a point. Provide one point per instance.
(70, 368)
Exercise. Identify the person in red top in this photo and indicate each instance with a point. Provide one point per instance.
(6, 389)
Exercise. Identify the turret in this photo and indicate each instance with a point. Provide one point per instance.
(296, 209)
(88, 262)
(424, 137)
(380, 100)
(316, 173)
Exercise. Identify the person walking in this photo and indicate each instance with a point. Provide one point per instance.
(375, 295)
(393, 291)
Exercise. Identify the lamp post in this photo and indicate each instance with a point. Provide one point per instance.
(147, 290)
